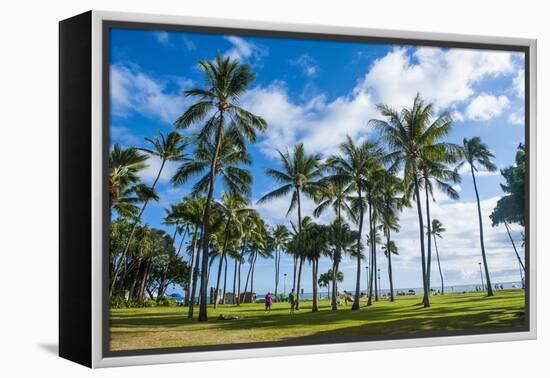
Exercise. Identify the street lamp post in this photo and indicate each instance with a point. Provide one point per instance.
(284, 282)
(367, 269)
(379, 284)
(481, 275)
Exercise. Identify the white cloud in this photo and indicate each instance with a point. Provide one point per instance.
(243, 50)
(320, 124)
(124, 136)
(441, 76)
(308, 64)
(457, 116)
(518, 83)
(516, 118)
(150, 173)
(485, 107)
(135, 91)
(465, 170)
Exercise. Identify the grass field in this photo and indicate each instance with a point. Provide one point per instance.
(165, 327)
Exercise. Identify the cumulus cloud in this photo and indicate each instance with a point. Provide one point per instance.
(518, 83)
(441, 76)
(516, 118)
(136, 91)
(485, 107)
(244, 50)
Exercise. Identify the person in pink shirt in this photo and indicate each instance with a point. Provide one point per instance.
(268, 302)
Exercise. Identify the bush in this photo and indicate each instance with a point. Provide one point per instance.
(118, 302)
(166, 302)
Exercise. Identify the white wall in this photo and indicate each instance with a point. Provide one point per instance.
(28, 200)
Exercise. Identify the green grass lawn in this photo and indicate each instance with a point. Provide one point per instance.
(165, 327)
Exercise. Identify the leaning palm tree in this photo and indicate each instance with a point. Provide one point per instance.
(476, 154)
(437, 231)
(280, 236)
(352, 167)
(226, 81)
(413, 136)
(300, 174)
(167, 148)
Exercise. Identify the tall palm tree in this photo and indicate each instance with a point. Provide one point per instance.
(477, 154)
(352, 167)
(226, 81)
(300, 174)
(436, 173)
(390, 248)
(167, 148)
(333, 194)
(313, 241)
(414, 135)
(392, 201)
(340, 241)
(437, 231)
(280, 237)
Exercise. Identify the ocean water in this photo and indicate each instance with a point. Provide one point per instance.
(418, 290)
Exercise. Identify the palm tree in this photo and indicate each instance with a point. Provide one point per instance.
(477, 154)
(373, 239)
(300, 174)
(414, 136)
(390, 248)
(434, 172)
(392, 202)
(226, 81)
(325, 280)
(353, 167)
(334, 194)
(437, 231)
(280, 237)
(167, 148)
(232, 209)
(340, 241)
(124, 167)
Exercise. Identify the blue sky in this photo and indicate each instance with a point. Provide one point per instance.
(317, 92)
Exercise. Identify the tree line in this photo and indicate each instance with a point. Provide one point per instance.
(365, 185)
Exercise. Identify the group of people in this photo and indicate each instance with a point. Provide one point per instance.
(291, 299)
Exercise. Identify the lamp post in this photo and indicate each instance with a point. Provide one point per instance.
(367, 271)
(379, 284)
(481, 275)
(284, 282)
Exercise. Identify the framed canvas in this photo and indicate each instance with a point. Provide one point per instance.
(234, 189)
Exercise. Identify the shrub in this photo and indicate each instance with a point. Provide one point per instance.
(166, 302)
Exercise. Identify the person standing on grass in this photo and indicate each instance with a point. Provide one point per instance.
(268, 301)
(292, 301)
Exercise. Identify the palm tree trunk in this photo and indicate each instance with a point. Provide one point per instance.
(439, 265)
(191, 266)
(357, 295)
(203, 312)
(224, 277)
(390, 274)
(276, 270)
(334, 299)
(239, 271)
(300, 264)
(248, 275)
(488, 279)
(132, 233)
(235, 281)
(218, 282)
(426, 298)
(315, 304)
(294, 274)
(514, 245)
(252, 275)
(374, 260)
(195, 282)
(371, 258)
(428, 233)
